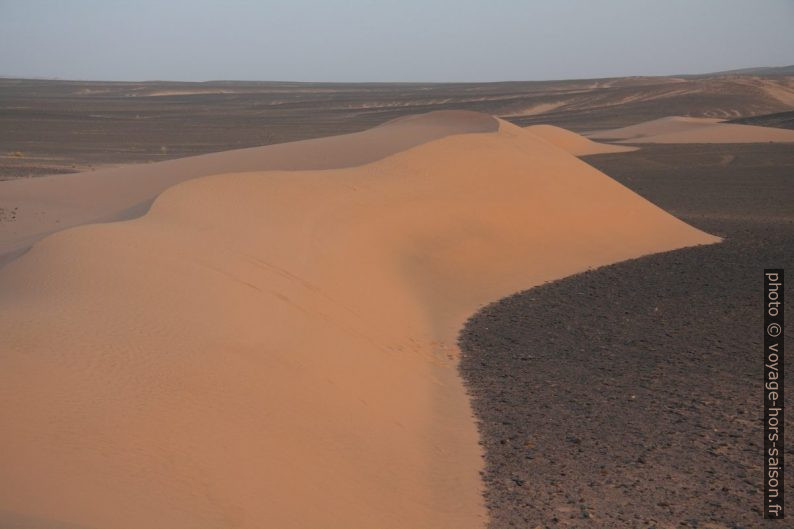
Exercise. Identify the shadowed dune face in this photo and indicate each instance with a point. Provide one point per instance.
(44, 205)
(279, 348)
(694, 130)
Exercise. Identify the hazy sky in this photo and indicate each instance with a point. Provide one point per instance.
(402, 40)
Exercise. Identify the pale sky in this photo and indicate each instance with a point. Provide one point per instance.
(404, 40)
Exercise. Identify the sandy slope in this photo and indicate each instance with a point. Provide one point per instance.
(278, 349)
(694, 130)
(573, 143)
(44, 205)
(653, 127)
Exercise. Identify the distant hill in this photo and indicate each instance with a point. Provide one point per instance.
(759, 70)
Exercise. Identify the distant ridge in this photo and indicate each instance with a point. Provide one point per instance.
(758, 70)
(754, 70)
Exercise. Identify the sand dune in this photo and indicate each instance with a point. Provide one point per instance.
(573, 143)
(278, 349)
(45, 205)
(694, 130)
(653, 128)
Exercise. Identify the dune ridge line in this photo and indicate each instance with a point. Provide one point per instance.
(49, 204)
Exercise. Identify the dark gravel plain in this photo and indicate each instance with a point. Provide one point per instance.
(55, 126)
(631, 395)
(782, 120)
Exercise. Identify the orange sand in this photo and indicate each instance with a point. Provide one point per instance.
(49, 204)
(694, 130)
(572, 142)
(277, 349)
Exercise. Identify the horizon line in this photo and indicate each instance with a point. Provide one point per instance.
(749, 70)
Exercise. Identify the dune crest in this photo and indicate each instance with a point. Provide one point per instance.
(574, 143)
(278, 349)
(680, 129)
(45, 205)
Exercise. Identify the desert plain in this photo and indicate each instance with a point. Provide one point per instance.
(320, 305)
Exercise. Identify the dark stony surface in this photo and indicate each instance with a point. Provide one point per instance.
(631, 395)
(782, 120)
